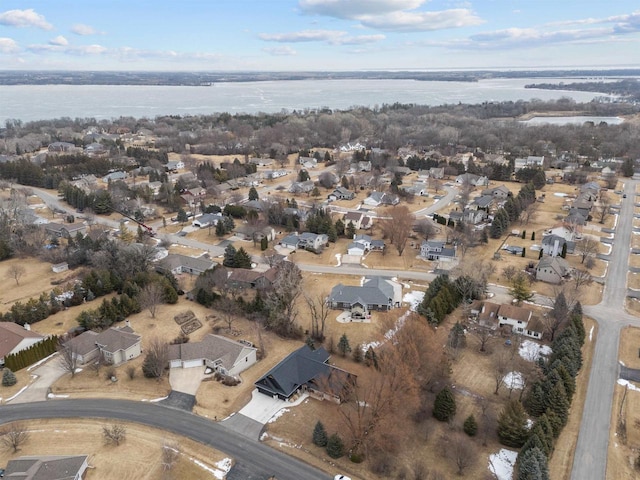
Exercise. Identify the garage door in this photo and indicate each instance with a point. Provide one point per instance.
(192, 363)
(175, 363)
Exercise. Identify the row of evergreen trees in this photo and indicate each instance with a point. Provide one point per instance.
(236, 258)
(443, 296)
(511, 210)
(549, 401)
(29, 356)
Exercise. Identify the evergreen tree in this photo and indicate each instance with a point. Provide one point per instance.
(182, 216)
(335, 446)
(253, 194)
(563, 254)
(343, 345)
(558, 403)
(627, 167)
(220, 230)
(520, 290)
(575, 320)
(533, 236)
(241, 259)
(533, 441)
(339, 228)
(229, 259)
(456, 336)
(350, 230)
(8, 378)
(357, 354)
(512, 425)
(533, 465)
(332, 234)
(470, 426)
(444, 406)
(536, 400)
(319, 435)
(264, 244)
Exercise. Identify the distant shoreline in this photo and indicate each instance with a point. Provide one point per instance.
(197, 79)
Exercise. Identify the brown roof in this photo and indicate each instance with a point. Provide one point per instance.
(353, 216)
(515, 312)
(212, 347)
(488, 315)
(11, 334)
(535, 325)
(244, 275)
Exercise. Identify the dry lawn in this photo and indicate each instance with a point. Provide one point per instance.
(622, 453)
(139, 457)
(629, 345)
(24, 378)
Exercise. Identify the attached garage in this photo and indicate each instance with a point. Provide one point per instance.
(192, 363)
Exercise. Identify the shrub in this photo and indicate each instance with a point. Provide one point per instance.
(8, 378)
(470, 426)
(335, 446)
(319, 435)
(444, 407)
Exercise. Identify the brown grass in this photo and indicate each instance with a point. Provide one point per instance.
(139, 457)
(621, 455)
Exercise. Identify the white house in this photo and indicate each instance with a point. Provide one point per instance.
(206, 220)
(436, 250)
(379, 198)
(174, 166)
(521, 320)
(15, 338)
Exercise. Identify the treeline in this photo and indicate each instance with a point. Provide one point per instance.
(626, 88)
(511, 210)
(443, 296)
(29, 356)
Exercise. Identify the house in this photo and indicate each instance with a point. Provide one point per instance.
(472, 179)
(521, 320)
(500, 192)
(306, 370)
(552, 245)
(61, 230)
(483, 202)
(529, 162)
(376, 293)
(576, 217)
(357, 218)
(356, 248)
(250, 232)
(96, 150)
(207, 220)
(15, 338)
(436, 172)
(242, 278)
(50, 467)
(114, 176)
(341, 193)
(174, 166)
(473, 216)
(273, 174)
(114, 345)
(302, 187)
(61, 147)
(306, 240)
(60, 267)
(221, 354)
(308, 162)
(290, 241)
(379, 198)
(363, 166)
(552, 269)
(436, 250)
(417, 189)
(261, 162)
(568, 234)
(176, 264)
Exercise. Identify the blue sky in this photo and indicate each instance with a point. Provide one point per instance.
(317, 34)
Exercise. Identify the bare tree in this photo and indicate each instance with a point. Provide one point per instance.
(319, 311)
(461, 451)
(282, 301)
(16, 271)
(587, 247)
(228, 309)
(465, 192)
(529, 213)
(484, 335)
(170, 455)
(501, 364)
(509, 272)
(14, 436)
(425, 228)
(151, 297)
(68, 357)
(156, 358)
(558, 315)
(603, 209)
(114, 434)
(398, 225)
(581, 278)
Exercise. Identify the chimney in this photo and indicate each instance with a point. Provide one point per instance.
(127, 323)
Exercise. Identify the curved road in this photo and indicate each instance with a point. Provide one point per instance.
(253, 460)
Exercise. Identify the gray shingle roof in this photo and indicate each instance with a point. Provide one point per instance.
(45, 467)
(212, 347)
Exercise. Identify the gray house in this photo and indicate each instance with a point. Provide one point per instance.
(436, 250)
(552, 245)
(309, 240)
(218, 353)
(552, 269)
(50, 467)
(115, 345)
(376, 293)
(341, 193)
(176, 264)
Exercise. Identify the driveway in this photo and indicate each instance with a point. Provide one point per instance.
(186, 380)
(37, 390)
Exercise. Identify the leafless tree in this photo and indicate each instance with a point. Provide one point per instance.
(509, 272)
(425, 228)
(484, 335)
(68, 357)
(16, 271)
(398, 226)
(587, 247)
(435, 184)
(501, 364)
(558, 315)
(170, 455)
(282, 301)
(603, 209)
(228, 309)
(156, 358)
(581, 278)
(14, 436)
(114, 434)
(529, 213)
(319, 311)
(151, 297)
(465, 192)
(461, 451)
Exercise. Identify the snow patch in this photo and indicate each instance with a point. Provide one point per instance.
(217, 472)
(338, 259)
(277, 415)
(53, 395)
(501, 464)
(531, 351)
(77, 370)
(154, 400)
(21, 390)
(591, 333)
(223, 466)
(413, 299)
(514, 381)
(40, 362)
(529, 424)
(628, 384)
(389, 335)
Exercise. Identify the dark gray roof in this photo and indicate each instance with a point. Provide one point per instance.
(375, 291)
(45, 467)
(175, 260)
(483, 201)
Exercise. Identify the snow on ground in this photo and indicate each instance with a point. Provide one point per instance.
(21, 390)
(628, 384)
(40, 362)
(501, 464)
(389, 335)
(221, 469)
(591, 333)
(338, 259)
(154, 400)
(530, 350)
(278, 414)
(513, 381)
(413, 299)
(223, 466)
(53, 395)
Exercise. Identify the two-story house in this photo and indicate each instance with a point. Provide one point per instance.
(436, 250)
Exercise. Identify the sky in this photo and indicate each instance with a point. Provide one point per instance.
(339, 35)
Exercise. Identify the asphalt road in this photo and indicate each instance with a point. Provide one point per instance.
(590, 459)
(254, 460)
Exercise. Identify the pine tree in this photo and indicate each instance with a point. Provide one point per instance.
(319, 435)
(335, 446)
(339, 228)
(229, 256)
(8, 378)
(533, 441)
(533, 236)
(343, 345)
(444, 406)
(253, 194)
(241, 259)
(264, 244)
(357, 354)
(470, 426)
(563, 253)
(558, 403)
(350, 229)
(512, 425)
(220, 230)
(533, 465)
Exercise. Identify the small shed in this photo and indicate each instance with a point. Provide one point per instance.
(60, 267)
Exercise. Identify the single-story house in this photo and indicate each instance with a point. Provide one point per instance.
(242, 278)
(176, 264)
(302, 187)
(306, 370)
(500, 191)
(63, 147)
(248, 232)
(218, 353)
(206, 220)
(531, 161)
(113, 176)
(65, 230)
(418, 189)
(552, 245)
(174, 166)
(341, 193)
(552, 269)
(308, 162)
(49, 467)
(472, 179)
(436, 172)
(271, 174)
(261, 162)
(15, 338)
(521, 320)
(376, 293)
(115, 345)
(436, 250)
(381, 198)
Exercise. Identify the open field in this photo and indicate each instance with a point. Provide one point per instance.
(139, 457)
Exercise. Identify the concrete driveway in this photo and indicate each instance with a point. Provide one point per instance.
(37, 390)
(186, 380)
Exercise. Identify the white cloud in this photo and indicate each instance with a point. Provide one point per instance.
(82, 29)
(24, 18)
(332, 37)
(422, 21)
(8, 45)
(59, 40)
(280, 51)
(353, 9)
(91, 49)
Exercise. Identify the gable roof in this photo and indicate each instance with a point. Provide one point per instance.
(297, 369)
(515, 312)
(211, 347)
(557, 264)
(11, 334)
(115, 339)
(375, 291)
(175, 260)
(45, 467)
